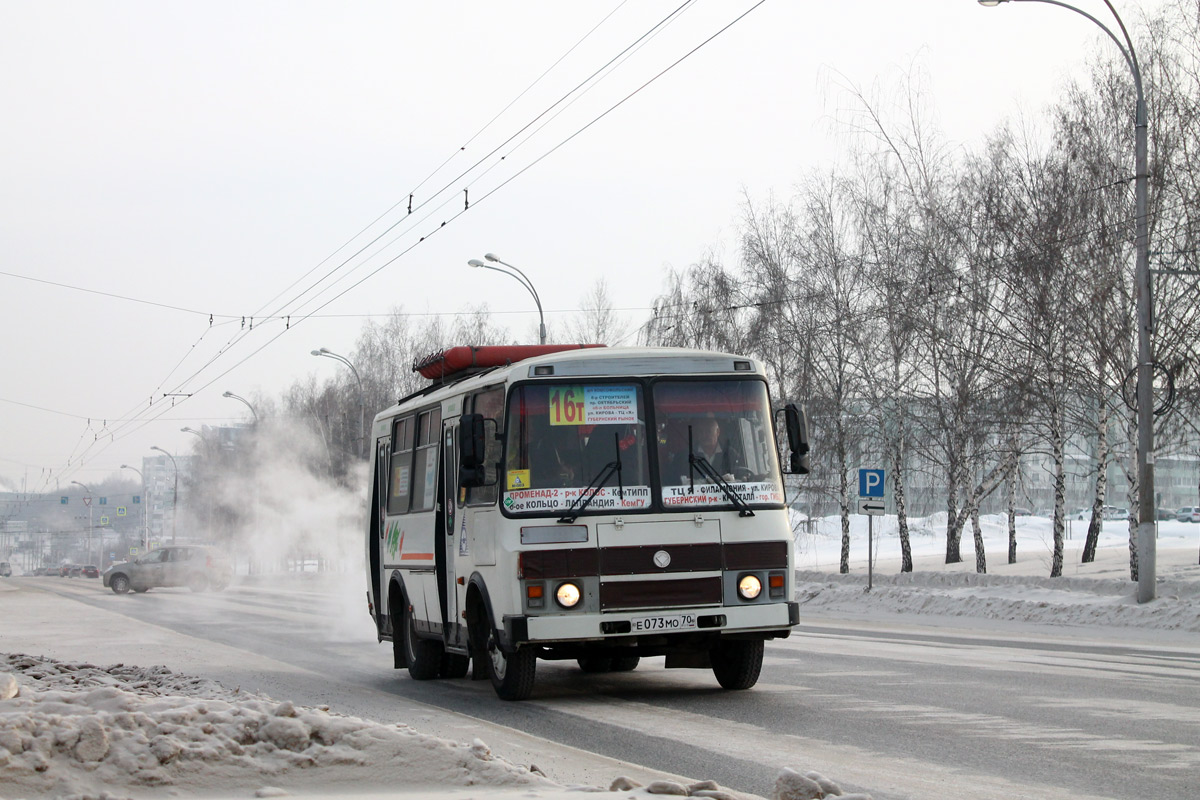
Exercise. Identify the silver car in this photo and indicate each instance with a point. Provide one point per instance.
(197, 567)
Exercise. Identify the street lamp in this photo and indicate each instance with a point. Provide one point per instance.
(89, 505)
(521, 278)
(362, 395)
(1145, 361)
(174, 492)
(233, 396)
(192, 430)
(145, 521)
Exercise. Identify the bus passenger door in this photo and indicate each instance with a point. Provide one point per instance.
(453, 530)
(377, 530)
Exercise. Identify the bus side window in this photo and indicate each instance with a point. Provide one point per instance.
(425, 464)
(400, 478)
(489, 403)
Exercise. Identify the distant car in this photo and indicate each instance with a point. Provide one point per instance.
(64, 571)
(5, 569)
(90, 571)
(1188, 514)
(197, 567)
(1116, 512)
(1022, 512)
(1164, 513)
(1079, 513)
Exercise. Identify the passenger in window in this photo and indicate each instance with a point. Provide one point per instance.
(707, 442)
(554, 458)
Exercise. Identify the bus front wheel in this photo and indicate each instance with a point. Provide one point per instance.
(737, 663)
(512, 673)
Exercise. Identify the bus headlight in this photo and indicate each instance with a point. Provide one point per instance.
(749, 587)
(567, 595)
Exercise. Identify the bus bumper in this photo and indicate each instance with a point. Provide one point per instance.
(767, 618)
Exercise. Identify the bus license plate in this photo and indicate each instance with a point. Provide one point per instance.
(664, 623)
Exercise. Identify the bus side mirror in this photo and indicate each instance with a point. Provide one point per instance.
(796, 422)
(473, 449)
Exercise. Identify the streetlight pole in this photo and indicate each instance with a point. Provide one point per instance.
(362, 397)
(522, 279)
(145, 520)
(174, 491)
(192, 430)
(89, 533)
(1146, 544)
(233, 396)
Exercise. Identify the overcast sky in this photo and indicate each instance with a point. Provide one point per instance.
(206, 156)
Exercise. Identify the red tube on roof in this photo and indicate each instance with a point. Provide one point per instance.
(436, 366)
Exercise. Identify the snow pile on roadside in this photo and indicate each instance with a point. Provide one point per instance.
(86, 732)
(72, 729)
(1046, 601)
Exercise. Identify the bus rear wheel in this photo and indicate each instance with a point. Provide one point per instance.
(512, 674)
(737, 663)
(424, 656)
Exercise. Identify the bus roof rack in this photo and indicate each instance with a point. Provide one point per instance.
(459, 362)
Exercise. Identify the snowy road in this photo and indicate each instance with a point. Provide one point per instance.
(896, 710)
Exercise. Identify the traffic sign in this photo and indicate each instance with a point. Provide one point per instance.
(63, 500)
(87, 499)
(870, 483)
(120, 511)
(870, 506)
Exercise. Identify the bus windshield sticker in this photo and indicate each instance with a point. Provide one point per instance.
(593, 405)
(517, 479)
(709, 494)
(607, 497)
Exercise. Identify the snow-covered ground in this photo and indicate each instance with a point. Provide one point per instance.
(1099, 594)
(80, 730)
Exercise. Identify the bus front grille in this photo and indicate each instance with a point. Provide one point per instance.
(660, 593)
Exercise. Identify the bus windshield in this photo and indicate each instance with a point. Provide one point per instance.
(561, 439)
(726, 423)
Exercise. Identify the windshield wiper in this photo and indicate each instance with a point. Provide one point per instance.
(596, 484)
(705, 468)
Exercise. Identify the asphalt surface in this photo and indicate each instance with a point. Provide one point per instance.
(898, 710)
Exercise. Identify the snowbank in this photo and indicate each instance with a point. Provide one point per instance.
(85, 732)
(73, 728)
(1044, 601)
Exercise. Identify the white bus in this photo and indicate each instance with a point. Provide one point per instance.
(574, 502)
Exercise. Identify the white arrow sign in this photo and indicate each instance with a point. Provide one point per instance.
(870, 505)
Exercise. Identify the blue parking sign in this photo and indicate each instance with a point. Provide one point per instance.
(870, 483)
